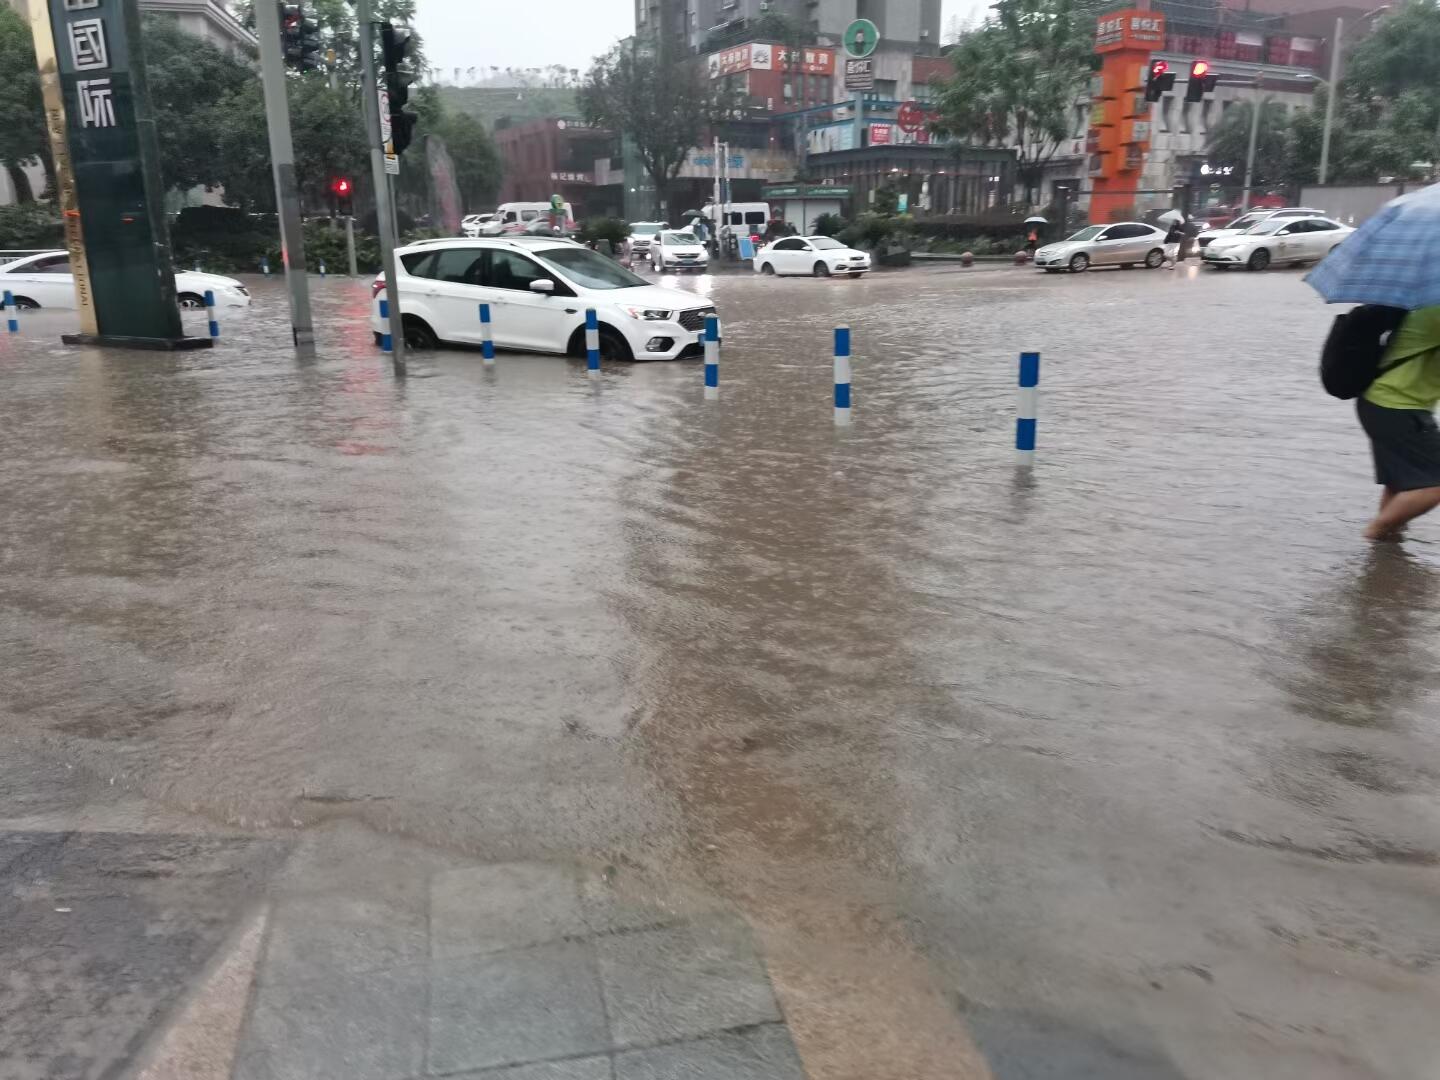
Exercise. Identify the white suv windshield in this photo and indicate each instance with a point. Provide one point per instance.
(589, 269)
(644, 230)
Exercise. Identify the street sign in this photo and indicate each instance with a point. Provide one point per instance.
(911, 117)
(861, 38)
(385, 118)
(859, 74)
(392, 164)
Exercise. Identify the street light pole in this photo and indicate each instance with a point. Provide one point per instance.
(1331, 93)
(1255, 108)
(287, 193)
(384, 206)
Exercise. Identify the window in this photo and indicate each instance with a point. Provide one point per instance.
(529, 215)
(59, 264)
(1124, 232)
(791, 244)
(1320, 225)
(754, 217)
(1082, 120)
(509, 270)
(419, 263)
(589, 268)
(458, 265)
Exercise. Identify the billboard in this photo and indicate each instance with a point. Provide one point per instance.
(762, 56)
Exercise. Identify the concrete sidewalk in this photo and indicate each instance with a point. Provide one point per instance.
(523, 971)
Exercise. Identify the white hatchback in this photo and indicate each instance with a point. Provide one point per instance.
(538, 289)
(821, 256)
(45, 281)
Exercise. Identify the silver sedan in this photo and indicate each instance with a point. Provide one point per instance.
(1124, 243)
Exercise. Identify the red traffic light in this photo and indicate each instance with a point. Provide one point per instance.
(1158, 67)
(340, 186)
(1199, 68)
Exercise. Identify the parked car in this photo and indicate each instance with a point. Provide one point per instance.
(46, 281)
(1251, 219)
(1122, 243)
(680, 249)
(538, 289)
(642, 235)
(820, 256)
(473, 224)
(1277, 239)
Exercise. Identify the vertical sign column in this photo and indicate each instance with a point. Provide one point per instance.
(107, 162)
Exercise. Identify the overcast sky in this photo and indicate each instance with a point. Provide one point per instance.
(537, 33)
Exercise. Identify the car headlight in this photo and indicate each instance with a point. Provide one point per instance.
(648, 314)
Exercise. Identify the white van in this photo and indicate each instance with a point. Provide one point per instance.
(740, 218)
(513, 218)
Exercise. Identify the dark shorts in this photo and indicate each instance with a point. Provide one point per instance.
(1406, 443)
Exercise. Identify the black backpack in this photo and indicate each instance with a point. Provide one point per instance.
(1350, 361)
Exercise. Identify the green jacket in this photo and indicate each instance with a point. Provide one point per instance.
(1413, 359)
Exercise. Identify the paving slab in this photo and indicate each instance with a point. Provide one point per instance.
(511, 1008)
(503, 906)
(682, 982)
(761, 1053)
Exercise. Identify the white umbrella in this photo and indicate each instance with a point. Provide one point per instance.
(1036, 219)
(1171, 215)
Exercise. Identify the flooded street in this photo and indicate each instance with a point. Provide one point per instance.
(1122, 768)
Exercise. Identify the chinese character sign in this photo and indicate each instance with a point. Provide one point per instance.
(93, 79)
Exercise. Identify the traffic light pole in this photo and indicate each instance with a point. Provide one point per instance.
(350, 244)
(287, 193)
(384, 205)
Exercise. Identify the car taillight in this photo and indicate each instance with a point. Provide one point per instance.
(377, 287)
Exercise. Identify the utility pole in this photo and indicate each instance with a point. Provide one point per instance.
(282, 157)
(1256, 106)
(1331, 93)
(384, 207)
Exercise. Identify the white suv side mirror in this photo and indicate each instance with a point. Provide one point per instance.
(542, 285)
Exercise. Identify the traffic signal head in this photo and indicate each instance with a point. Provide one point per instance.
(343, 190)
(1158, 79)
(395, 45)
(299, 37)
(340, 186)
(1202, 80)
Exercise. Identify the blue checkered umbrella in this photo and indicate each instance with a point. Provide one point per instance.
(1393, 259)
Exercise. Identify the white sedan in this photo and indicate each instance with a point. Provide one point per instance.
(679, 249)
(1276, 240)
(45, 281)
(817, 255)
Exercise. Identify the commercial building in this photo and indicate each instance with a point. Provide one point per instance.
(557, 155)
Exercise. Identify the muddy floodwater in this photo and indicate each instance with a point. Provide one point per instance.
(1131, 761)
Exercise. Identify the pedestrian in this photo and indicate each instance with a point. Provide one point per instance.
(1033, 240)
(1173, 238)
(1397, 412)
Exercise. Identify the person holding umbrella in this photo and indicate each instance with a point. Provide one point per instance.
(1032, 233)
(1392, 261)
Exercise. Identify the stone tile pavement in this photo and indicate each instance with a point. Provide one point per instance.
(510, 971)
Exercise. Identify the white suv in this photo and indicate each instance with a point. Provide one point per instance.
(538, 289)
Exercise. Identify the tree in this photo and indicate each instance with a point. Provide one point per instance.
(477, 163)
(191, 82)
(1017, 79)
(661, 104)
(23, 139)
(1229, 143)
(339, 31)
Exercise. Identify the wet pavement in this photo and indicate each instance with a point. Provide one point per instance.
(1125, 768)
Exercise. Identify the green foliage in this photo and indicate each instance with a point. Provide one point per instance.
(829, 224)
(478, 169)
(30, 225)
(664, 106)
(338, 30)
(615, 230)
(1016, 78)
(1230, 142)
(23, 139)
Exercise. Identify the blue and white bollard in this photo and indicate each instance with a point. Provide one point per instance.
(197, 267)
(712, 357)
(592, 342)
(12, 324)
(387, 343)
(210, 313)
(1027, 404)
(487, 337)
(842, 375)
(322, 267)
(265, 265)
